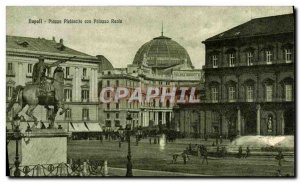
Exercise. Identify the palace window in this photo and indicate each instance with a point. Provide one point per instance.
(232, 93)
(214, 94)
(67, 72)
(29, 68)
(68, 95)
(269, 57)
(85, 95)
(117, 123)
(9, 92)
(84, 72)
(288, 88)
(269, 93)
(288, 55)
(231, 60)
(117, 115)
(108, 123)
(107, 106)
(85, 114)
(107, 116)
(9, 67)
(68, 114)
(250, 58)
(215, 61)
(117, 105)
(249, 93)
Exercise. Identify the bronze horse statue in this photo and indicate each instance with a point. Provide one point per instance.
(36, 94)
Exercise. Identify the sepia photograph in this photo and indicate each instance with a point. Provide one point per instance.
(150, 91)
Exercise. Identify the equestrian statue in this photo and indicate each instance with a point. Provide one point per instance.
(41, 92)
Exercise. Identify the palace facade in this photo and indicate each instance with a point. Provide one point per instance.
(249, 82)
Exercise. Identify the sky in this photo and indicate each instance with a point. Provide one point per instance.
(119, 42)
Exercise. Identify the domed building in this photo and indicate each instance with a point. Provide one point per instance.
(160, 62)
(162, 52)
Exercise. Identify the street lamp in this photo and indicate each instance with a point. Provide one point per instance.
(17, 136)
(128, 130)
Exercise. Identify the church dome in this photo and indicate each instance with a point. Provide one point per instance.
(162, 52)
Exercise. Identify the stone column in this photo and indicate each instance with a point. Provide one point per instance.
(239, 128)
(163, 118)
(19, 73)
(156, 118)
(76, 85)
(258, 119)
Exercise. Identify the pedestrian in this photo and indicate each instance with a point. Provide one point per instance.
(101, 138)
(136, 142)
(279, 157)
(240, 153)
(155, 140)
(223, 152)
(247, 152)
(184, 156)
(199, 151)
(174, 158)
(217, 139)
(150, 140)
(205, 155)
(218, 151)
(158, 139)
(120, 144)
(221, 139)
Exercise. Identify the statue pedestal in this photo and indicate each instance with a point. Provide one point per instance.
(41, 146)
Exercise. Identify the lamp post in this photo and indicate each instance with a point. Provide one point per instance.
(128, 130)
(17, 136)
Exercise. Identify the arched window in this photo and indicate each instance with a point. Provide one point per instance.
(231, 90)
(214, 93)
(231, 57)
(249, 90)
(268, 90)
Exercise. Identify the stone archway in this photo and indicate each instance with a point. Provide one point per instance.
(289, 122)
(250, 123)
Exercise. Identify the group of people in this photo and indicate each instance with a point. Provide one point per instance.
(240, 152)
(156, 140)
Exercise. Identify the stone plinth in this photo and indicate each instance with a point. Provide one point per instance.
(41, 146)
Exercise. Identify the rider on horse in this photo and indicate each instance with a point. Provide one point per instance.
(40, 68)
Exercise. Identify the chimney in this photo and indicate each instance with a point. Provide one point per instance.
(53, 39)
(61, 41)
(99, 56)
